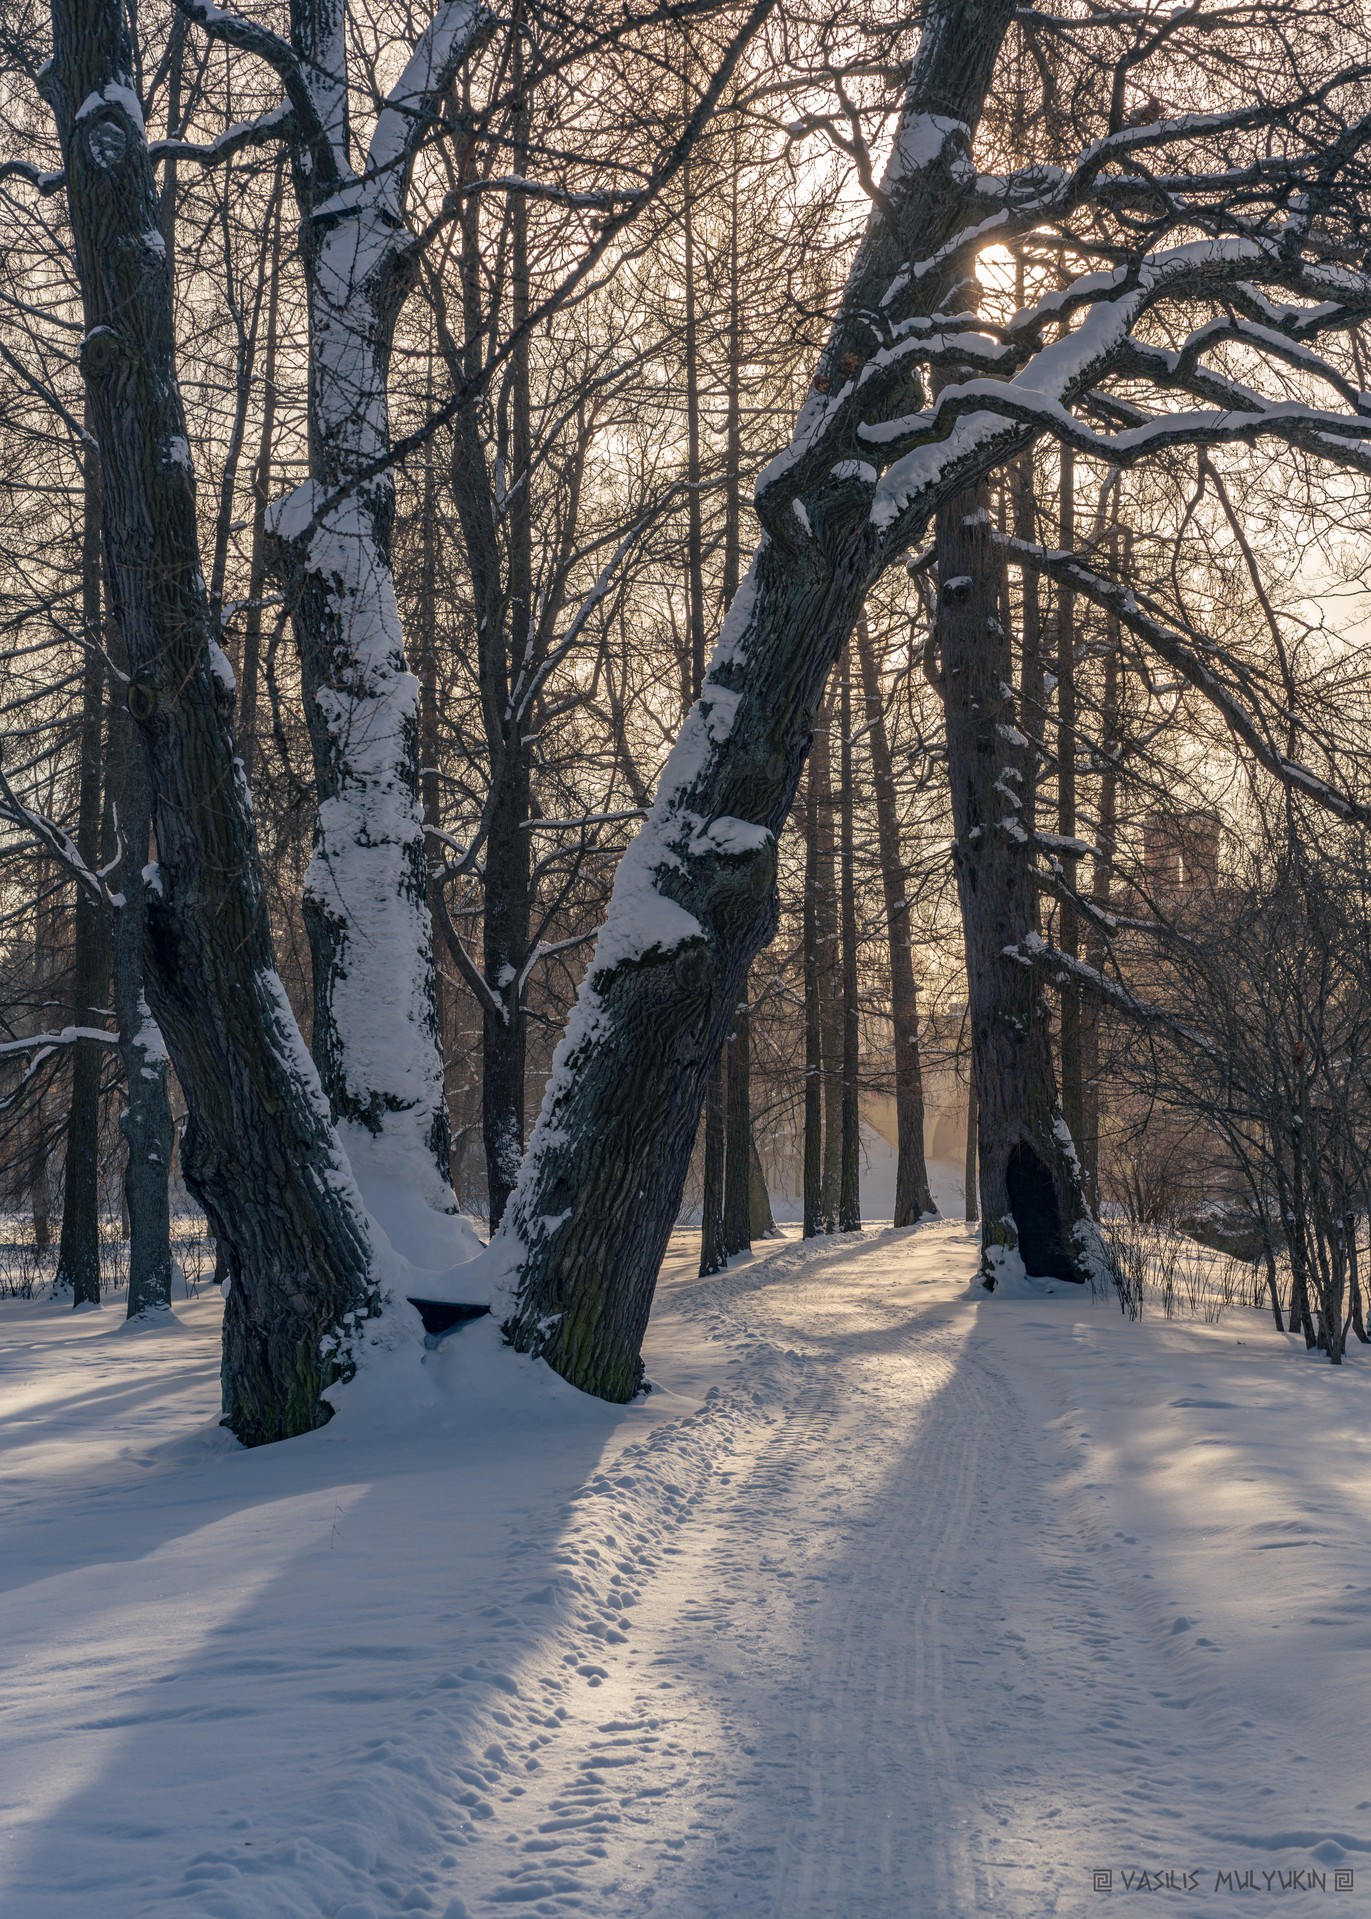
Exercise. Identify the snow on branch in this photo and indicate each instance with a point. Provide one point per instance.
(268, 129)
(1184, 657)
(458, 28)
(316, 128)
(57, 843)
(43, 1044)
(1033, 951)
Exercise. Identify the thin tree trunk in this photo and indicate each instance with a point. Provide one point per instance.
(739, 1149)
(971, 1210)
(813, 1161)
(260, 1152)
(78, 1257)
(146, 1122)
(829, 960)
(1033, 1210)
(913, 1195)
(251, 660)
(693, 900)
(849, 1187)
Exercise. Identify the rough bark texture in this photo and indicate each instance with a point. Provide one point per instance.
(260, 1152)
(694, 896)
(913, 1195)
(1032, 1205)
(1068, 921)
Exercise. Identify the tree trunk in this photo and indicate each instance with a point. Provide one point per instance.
(829, 961)
(913, 1195)
(1033, 1211)
(78, 1256)
(260, 1152)
(1068, 927)
(251, 660)
(376, 1039)
(812, 1175)
(971, 1211)
(693, 900)
(849, 1184)
(146, 1122)
(713, 1258)
(739, 1149)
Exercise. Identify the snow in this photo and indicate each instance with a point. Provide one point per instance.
(891, 1598)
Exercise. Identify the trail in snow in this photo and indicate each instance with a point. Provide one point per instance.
(889, 1600)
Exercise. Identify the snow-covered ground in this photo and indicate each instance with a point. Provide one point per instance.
(890, 1600)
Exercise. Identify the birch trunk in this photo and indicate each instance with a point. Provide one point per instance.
(260, 1152)
(693, 902)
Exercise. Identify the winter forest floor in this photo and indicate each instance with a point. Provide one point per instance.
(890, 1600)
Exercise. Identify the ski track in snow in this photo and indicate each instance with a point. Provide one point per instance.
(860, 1615)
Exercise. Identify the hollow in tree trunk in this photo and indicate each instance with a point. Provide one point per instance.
(1034, 1215)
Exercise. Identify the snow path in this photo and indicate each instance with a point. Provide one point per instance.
(889, 1601)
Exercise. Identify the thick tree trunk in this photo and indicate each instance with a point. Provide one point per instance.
(1068, 926)
(78, 1256)
(1033, 1211)
(260, 1151)
(849, 1183)
(376, 1039)
(693, 899)
(913, 1195)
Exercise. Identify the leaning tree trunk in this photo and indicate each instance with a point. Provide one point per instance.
(1034, 1215)
(260, 1151)
(913, 1195)
(694, 897)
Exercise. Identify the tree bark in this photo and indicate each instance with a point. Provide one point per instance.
(849, 1184)
(376, 1039)
(693, 901)
(146, 1122)
(1068, 925)
(828, 957)
(739, 1150)
(1033, 1211)
(260, 1151)
(78, 1255)
(971, 1210)
(913, 1195)
(812, 1175)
